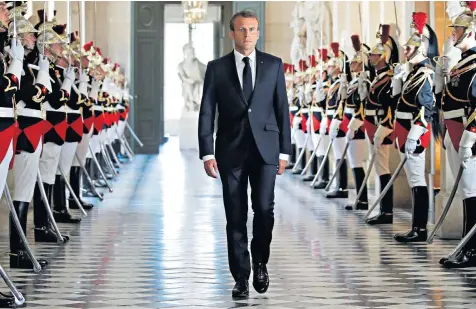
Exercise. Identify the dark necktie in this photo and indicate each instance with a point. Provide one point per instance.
(247, 79)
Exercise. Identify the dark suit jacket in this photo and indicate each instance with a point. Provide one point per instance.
(266, 114)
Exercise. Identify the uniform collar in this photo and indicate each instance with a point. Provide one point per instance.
(470, 51)
(239, 57)
(384, 69)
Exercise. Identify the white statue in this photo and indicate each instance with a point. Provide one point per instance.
(192, 73)
(298, 45)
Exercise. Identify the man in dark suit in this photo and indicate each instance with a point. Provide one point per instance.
(253, 142)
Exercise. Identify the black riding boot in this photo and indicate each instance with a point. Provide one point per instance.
(467, 256)
(18, 254)
(386, 204)
(60, 209)
(341, 190)
(75, 182)
(363, 203)
(312, 168)
(420, 205)
(298, 170)
(324, 177)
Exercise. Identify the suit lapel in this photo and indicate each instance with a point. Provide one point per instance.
(259, 74)
(235, 81)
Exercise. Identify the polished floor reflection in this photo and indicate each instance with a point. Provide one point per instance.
(158, 241)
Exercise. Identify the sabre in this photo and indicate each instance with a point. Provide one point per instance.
(36, 265)
(462, 243)
(71, 192)
(447, 206)
(308, 164)
(114, 156)
(338, 166)
(18, 297)
(107, 159)
(128, 146)
(95, 160)
(301, 154)
(367, 175)
(134, 135)
(387, 187)
(123, 144)
(88, 178)
(321, 168)
(59, 237)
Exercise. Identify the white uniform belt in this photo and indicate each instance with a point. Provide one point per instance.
(317, 109)
(48, 107)
(72, 111)
(330, 112)
(349, 110)
(6, 112)
(27, 112)
(404, 115)
(454, 114)
(305, 110)
(97, 108)
(373, 112)
(293, 108)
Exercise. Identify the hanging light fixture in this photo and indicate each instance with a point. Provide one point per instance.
(194, 11)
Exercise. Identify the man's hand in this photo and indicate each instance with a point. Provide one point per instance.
(211, 168)
(282, 166)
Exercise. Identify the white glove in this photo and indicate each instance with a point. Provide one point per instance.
(440, 74)
(465, 154)
(380, 135)
(43, 76)
(296, 121)
(68, 81)
(396, 86)
(16, 65)
(323, 126)
(413, 138)
(350, 135)
(93, 93)
(320, 94)
(334, 128)
(410, 146)
(83, 83)
(466, 143)
(343, 89)
(106, 85)
(362, 88)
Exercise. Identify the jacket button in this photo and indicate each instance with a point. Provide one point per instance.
(249, 111)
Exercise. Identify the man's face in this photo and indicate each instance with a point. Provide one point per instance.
(409, 51)
(289, 84)
(84, 62)
(374, 59)
(246, 33)
(457, 33)
(356, 66)
(57, 48)
(29, 40)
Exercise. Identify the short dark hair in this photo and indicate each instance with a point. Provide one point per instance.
(244, 14)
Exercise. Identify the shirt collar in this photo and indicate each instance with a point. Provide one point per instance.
(239, 57)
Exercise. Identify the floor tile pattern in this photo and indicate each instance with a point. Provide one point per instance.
(158, 241)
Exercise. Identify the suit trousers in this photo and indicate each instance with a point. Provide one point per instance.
(235, 179)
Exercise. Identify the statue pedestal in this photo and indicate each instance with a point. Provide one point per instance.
(188, 131)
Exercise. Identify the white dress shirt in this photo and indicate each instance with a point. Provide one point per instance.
(240, 66)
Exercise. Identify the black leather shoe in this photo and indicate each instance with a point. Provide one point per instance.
(381, 218)
(7, 301)
(260, 278)
(289, 166)
(308, 178)
(321, 185)
(415, 235)
(297, 171)
(21, 260)
(359, 206)
(63, 216)
(45, 234)
(466, 259)
(241, 289)
(73, 205)
(338, 194)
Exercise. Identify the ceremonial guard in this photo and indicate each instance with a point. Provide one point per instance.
(293, 109)
(298, 129)
(458, 96)
(322, 88)
(339, 71)
(379, 113)
(413, 118)
(85, 53)
(30, 117)
(355, 102)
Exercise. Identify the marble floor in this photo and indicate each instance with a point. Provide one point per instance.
(158, 241)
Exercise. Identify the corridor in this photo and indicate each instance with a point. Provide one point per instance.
(158, 241)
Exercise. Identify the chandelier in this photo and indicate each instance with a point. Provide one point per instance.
(194, 11)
